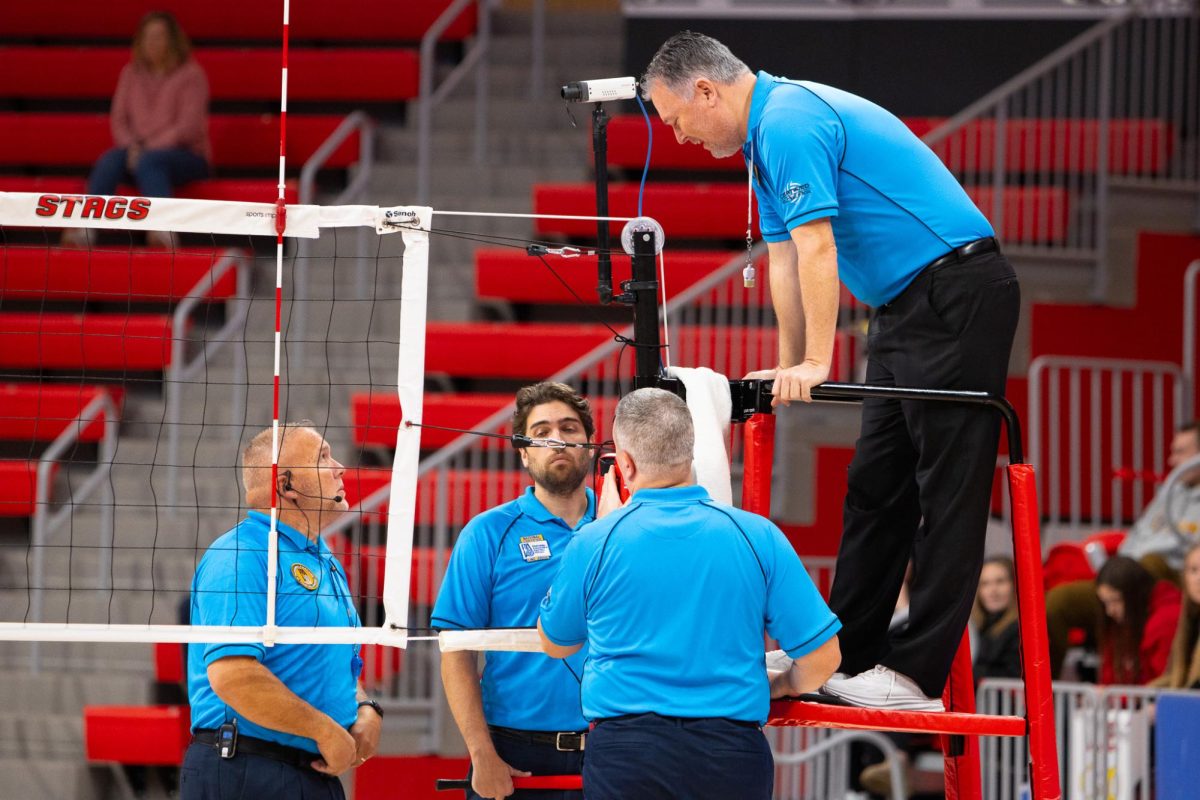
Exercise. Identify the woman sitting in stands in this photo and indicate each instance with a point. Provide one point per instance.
(159, 118)
(996, 641)
(1140, 616)
(1183, 664)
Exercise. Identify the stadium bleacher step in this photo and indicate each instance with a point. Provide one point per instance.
(68, 778)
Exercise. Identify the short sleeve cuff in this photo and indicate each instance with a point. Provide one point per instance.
(812, 643)
(775, 238)
(809, 216)
(561, 641)
(218, 651)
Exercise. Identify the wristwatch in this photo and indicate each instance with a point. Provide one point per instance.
(378, 708)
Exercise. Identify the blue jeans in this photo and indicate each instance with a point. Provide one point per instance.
(539, 759)
(649, 757)
(206, 776)
(158, 171)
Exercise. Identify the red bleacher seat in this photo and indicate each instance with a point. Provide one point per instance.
(250, 190)
(374, 417)
(92, 341)
(1136, 146)
(361, 74)
(318, 20)
(18, 487)
(108, 275)
(146, 735)
(40, 412)
(507, 350)
(718, 210)
(510, 275)
(168, 662)
(238, 140)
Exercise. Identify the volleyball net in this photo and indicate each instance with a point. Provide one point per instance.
(132, 376)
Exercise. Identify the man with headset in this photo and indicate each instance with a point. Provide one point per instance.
(279, 722)
(524, 716)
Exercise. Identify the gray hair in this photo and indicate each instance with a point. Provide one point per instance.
(687, 56)
(655, 427)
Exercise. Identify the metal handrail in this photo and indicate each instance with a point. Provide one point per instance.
(429, 97)
(1027, 76)
(46, 523)
(841, 739)
(1051, 472)
(355, 122)
(1189, 330)
(181, 370)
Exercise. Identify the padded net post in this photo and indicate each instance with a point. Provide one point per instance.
(759, 453)
(961, 767)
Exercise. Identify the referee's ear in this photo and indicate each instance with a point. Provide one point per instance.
(629, 469)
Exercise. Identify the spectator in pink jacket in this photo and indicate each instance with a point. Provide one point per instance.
(159, 115)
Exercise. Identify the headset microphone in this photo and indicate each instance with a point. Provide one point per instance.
(287, 487)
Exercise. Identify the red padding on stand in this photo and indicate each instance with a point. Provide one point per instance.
(962, 771)
(1035, 645)
(757, 459)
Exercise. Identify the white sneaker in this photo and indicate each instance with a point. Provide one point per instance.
(882, 688)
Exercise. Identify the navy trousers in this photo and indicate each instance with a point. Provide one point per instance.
(207, 776)
(648, 757)
(158, 171)
(540, 759)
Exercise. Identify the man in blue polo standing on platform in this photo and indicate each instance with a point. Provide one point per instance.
(282, 722)
(672, 595)
(846, 192)
(524, 716)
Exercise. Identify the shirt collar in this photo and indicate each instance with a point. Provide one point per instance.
(674, 494)
(532, 507)
(297, 539)
(762, 88)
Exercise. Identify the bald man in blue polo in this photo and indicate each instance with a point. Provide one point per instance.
(672, 595)
(277, 722)
(846, 193)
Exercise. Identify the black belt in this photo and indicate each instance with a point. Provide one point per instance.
(741, 723)
(260, 747)
(987, 244)
(563, 741)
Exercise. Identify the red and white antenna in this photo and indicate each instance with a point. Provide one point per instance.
(280, 226)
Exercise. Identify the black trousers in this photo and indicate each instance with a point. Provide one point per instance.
(920, 483)
(649, 757)
(206, 776)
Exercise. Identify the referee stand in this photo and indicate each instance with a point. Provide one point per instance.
(959, 726)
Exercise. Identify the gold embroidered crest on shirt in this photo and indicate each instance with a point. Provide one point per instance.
(305, 577)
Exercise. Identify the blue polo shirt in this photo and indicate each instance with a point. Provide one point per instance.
(230, 588)
(501, 566)
(672, 594)
(821, 152)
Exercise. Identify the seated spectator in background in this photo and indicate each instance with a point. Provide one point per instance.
(1140, 616)
(1150, 541)
(1183, 664)
(996, 641)
(159, 118)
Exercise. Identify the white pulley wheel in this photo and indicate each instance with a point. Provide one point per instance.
(642, 225)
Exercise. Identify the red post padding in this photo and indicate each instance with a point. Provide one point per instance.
(798, 713)
(962, 770)
(1035, 645)
(757, 457)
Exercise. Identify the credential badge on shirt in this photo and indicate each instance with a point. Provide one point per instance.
(535, 548)
(305, 577)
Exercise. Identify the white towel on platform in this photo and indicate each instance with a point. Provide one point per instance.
(708, 400)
